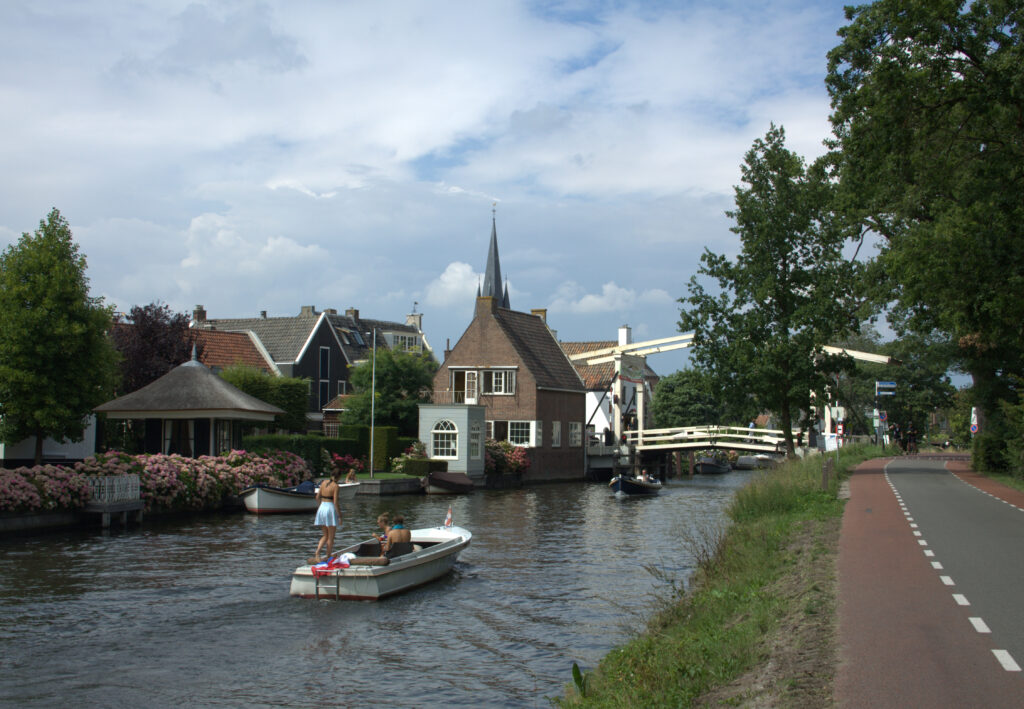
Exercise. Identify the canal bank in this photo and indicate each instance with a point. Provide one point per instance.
(758, 625)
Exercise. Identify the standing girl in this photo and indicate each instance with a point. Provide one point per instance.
(328, 514)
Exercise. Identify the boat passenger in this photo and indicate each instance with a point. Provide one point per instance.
(384, 523)
(328, 515)
(397, 533)
(351, 477)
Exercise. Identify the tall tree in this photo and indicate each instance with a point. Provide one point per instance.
(403, 382)
(928, 108)
(786, 295)
(688, 398)
(152, 341)
(56, 361)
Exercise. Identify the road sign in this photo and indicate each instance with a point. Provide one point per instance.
(839, 428)
(974, 428)
(885, 385)
(882, 415)
(885, 393)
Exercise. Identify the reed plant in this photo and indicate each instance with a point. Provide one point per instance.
(715, 632)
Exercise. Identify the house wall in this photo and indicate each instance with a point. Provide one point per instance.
(565, 462)
(24, 452)
(308, 367)
(463, 416)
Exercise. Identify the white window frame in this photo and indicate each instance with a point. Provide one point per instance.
(446, 433)
(476, 441)
(556, 434)
(575, 434)
(524, 432)
(498, 382)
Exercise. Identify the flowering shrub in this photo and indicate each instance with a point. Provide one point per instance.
(166, 482)
(344, 464)
(417, 450)
(501, 457)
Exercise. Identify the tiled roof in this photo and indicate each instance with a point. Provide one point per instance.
(539, 350)
(597, 377)
(282, 337)
(218, 349)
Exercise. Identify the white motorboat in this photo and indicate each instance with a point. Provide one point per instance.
(370, 576)
(269, 500)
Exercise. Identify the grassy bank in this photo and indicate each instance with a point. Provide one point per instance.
(757, 626)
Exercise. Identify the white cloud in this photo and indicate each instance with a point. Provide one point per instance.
(457, 284)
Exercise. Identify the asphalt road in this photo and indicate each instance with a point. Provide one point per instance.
(931, 589)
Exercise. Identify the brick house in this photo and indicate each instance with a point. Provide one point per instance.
(511, 363)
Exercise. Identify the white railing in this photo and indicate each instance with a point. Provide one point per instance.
(448, 396)
(694, 437)
(113, 488)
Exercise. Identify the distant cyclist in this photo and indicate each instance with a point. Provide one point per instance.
(911, 434)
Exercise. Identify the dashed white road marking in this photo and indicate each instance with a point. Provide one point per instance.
(929, 552)
(917, 533)
(979, 625)
(937, 565)
(961, 599)
(1006, 660)
(923, 542)
(947, 580)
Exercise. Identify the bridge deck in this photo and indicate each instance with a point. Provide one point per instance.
(689, 438)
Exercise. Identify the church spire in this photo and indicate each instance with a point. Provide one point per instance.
(492, 273)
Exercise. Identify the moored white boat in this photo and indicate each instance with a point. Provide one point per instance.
(269, 500)
(371, 577)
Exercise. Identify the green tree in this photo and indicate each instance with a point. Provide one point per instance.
(688, 398)
(291, 395)
(928, 99)
(786, 295)
(56, 360)
(403, 382)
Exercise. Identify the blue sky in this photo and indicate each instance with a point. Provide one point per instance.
(265, 156)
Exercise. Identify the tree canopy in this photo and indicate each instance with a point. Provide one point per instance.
(56, 360)
(787, 293)
(688, 398)
(928, 100)
(152, 341)
(403, 382)
(291, 395)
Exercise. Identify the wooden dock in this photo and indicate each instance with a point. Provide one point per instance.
(114, 495)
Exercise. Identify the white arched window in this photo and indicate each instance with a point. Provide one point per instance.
(445, 440)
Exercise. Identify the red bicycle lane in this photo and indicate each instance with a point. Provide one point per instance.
(903, 641)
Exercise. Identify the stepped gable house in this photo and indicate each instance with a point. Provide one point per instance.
(511, 363)
(319, 346)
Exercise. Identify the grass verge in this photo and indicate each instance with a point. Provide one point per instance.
(757, 627)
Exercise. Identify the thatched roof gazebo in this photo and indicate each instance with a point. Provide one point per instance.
(190, 411)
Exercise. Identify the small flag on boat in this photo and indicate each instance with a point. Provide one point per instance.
(448, 517)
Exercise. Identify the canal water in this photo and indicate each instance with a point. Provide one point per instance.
(197, 612)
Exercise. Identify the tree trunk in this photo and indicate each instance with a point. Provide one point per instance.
(39, 447)
(786, 423)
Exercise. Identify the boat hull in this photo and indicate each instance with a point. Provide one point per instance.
(634, 486)
(267, 500)
(710, 466)
(445, 483)
(441, 549)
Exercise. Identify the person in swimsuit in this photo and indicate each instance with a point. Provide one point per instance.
(328, 514)
(397, 533)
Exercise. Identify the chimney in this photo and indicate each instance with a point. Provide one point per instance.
(625, 335)
(331, 311)
(416, 320)
(485, 305)
(541, 313)
(352, 313)
(307, 311)
(263, 314)
(199, 314)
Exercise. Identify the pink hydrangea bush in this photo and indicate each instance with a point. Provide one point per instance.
(166, 482)
(501, 457)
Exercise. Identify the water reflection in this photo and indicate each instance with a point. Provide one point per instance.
(197, 611)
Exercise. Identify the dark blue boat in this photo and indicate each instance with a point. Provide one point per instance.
(628, 485)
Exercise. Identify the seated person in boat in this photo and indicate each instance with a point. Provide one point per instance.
(397, 534)
(384, 523)
(351, 477)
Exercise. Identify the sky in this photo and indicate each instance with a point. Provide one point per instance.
(251, 156)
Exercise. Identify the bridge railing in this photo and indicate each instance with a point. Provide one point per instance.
(696, 437)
